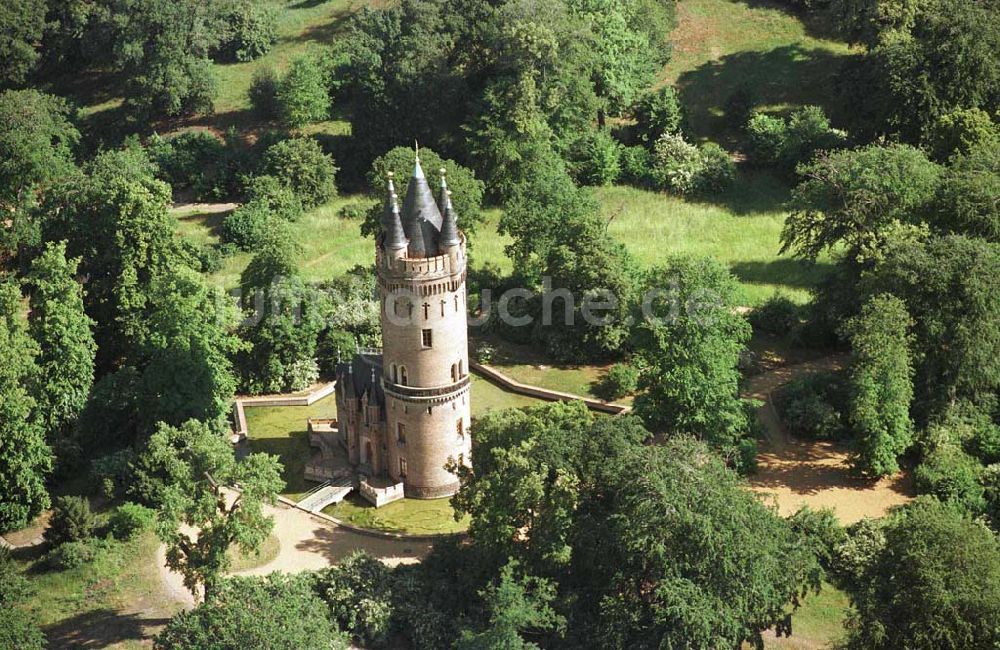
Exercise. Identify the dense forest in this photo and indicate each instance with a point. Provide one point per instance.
(122, 355)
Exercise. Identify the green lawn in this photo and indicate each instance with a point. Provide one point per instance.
(820, 620)
(113, 602)
(241, 561)
(720, 44)
(281, 430)
(487, 396)
(408, 516)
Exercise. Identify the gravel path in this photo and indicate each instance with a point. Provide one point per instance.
(815, 473)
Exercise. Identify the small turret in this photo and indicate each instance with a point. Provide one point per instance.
(392, 224)
(449, 224)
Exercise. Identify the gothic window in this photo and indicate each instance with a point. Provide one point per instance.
(427, 306)
(402, 467)
(460, 427)
(402, 376)
(461, 369)
(400, 432)
(454, 372)
(395, 374)
(425, 338)
(430, 410)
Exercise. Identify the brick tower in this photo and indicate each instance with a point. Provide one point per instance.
(420, 260)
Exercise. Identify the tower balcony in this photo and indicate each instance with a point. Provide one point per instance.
(431, 393)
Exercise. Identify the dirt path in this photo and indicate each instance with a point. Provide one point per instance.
(202, 208)
(815, 473)
(308, 543)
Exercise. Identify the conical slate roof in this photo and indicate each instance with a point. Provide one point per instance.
(421, 217)
(449, 225)
(392, 225)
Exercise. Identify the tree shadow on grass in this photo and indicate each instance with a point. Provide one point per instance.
(101, 628)
(790, 75)
(789, 272)
(818, 23)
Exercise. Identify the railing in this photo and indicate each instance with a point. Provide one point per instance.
(436, 391)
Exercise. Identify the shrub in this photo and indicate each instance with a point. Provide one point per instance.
(72, 555)
(247, 226)
(485, 353)
(677, 164)
(274, 195)
(251, 30)
(595, 158)
(765, 139)
(71, 520)
(851, 558)
(263, 93)
(739, 106)
(636, 166)
(130, 519)
(657, 113)
(111, 474)
(961, 131)
(717, 169)
(353, 212)
(192, 160)
(301, 95)
(952, 476)
(301, 164)
(812, 406)
(821, 530)
(778, 316)
(620, 380)
(808, 132)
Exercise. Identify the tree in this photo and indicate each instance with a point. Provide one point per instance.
(690, 341)
(676, 553)
(358, 591)
(517, 604)
(960, 131)
(658, 112)
(251, 30)
(72, 520)
(37, 140)
(115, 220)
(184, 471)
(277, 611)
(25, 459)
(849, 198)
(966, 198)
(934, 584)
(21, 26)
(301, 164)
(186, 358)
(62, 330)
(302, 94)
(163, 45)
(17, 626)
(881, 383)
(466, 190)
(951, 289)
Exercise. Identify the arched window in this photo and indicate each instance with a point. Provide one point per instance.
(454, 372)
(402, 376)
(461, 370)
(395, 375)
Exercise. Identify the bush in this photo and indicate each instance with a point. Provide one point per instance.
(594, 158)
(953, 476)
(765, 139)
(130, 519)
(717, 169)
(778, 316)
(353, 212)
(301, 95)
(636, 166)
(72, 555)
(263, 93)
(851, 558)
(961, 131)
(812, 406)
(192, 160)
(620, 380)
(247, 226)
(821, 530)
(71, 520)
(657, 113)
(274, 195)
(676, 164)
(485, 353)
(112, 474)
(808, 132)
(251, 30)
(301, 164)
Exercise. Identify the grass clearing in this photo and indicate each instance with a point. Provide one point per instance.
(115, 601)
(267, 552)
(406, 516)
(819, 622)
(719, 45)
(282, 431)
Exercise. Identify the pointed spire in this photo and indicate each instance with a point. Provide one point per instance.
(421, 215)
(444, 188)
(449, 225)
(392, 224)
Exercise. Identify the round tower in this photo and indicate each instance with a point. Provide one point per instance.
(421, 268)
